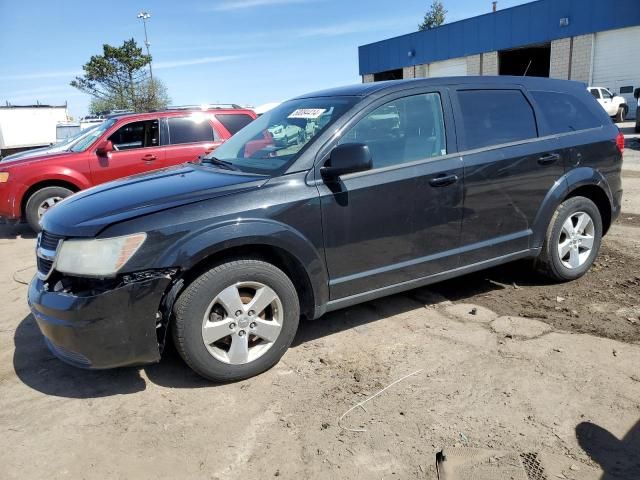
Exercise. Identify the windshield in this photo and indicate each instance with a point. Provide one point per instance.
(86, 141)
(63, 144)
(270, 144)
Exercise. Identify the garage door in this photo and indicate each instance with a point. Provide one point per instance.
(449, 68)
(615, 63)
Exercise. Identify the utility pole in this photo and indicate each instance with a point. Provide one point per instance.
(144, 16)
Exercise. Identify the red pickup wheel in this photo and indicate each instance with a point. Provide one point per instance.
(42, 200)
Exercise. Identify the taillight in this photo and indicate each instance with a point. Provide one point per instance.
(620, 142)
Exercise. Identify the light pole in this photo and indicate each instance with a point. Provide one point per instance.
(144, 16)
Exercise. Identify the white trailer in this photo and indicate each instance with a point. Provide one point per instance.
(31, 126)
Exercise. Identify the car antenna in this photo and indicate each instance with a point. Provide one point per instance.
(527, 69)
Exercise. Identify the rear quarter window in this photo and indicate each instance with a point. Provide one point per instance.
(565, 113)
(189, 130)
(495, 117)
(234, 122)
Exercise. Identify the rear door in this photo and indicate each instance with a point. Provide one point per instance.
(508, 170)
(400, 220)
(188, 137)
(136, 149)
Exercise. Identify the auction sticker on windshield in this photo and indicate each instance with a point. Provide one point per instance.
(307, 113)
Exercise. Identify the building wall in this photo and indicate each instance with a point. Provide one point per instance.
(560, 58)
(474, 63)
(581, 58)
(490, 63)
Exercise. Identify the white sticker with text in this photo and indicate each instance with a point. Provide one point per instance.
(311, 113)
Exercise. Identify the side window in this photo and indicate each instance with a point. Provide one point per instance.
(136, 135)
(234, 122)
(189, 130)
(401, 131)
(595, 92)
(494, 117)
(565, 113)
(606, 94)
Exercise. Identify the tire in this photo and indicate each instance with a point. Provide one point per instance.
(550, 262)
(199, 310)
(621, 115)
(36, 202)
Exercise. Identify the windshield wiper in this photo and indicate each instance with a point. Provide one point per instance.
(219, 163)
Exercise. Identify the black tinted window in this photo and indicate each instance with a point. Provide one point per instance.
(404, 130)
(234, 122)
(565, 113)
(189, 130)
(595, 92)
(494, 117)
(136, 135)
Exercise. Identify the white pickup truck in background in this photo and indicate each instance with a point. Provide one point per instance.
(615, 105)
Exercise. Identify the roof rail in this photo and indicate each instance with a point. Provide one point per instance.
(206, 106)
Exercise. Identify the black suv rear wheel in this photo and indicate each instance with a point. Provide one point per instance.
(236, 320)
(573, 240)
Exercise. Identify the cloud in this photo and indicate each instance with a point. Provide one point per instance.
(194, 61)
(230, 5)
(349, 28)
(39, 75)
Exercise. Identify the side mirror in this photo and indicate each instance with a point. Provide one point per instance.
(636, 93)
(104, 148)
(347, 158)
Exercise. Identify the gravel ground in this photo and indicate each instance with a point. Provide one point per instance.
(499, 361)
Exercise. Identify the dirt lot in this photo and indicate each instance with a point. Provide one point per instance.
(500, 361)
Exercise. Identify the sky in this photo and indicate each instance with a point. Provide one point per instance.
(206, 51)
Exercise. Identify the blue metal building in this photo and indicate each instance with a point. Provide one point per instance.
(593, 41)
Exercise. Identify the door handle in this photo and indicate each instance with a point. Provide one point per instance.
(549, 158)
(443, 181)
(149, 157)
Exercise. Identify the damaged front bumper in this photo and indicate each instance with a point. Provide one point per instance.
(102, 328)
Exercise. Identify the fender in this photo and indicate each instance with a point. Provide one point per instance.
(202, 244)
(570, 181)
(18, 187)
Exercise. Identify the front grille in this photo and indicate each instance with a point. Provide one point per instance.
(49, 241)
(44, 266)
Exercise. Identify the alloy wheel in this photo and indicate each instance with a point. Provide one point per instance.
(576, 240)
(242, 322)
(47, 204)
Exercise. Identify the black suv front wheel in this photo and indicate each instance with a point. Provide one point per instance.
(573, 240)
(236, 320)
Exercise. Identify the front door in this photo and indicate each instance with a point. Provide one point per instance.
(401, 220)
(508, 170)
(136, 149)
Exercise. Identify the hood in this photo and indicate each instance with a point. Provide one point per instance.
(35, 153)
(88, 212)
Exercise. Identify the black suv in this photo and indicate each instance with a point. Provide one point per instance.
(387, 187)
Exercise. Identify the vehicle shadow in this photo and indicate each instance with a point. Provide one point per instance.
(619, 459)
(19, 230)
(37, 368)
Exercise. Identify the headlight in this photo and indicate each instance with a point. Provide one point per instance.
(97, 258)
(4, 177)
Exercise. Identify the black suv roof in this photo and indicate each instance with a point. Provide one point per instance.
(389, 86)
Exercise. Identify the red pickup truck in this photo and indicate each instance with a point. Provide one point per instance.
(121, 146)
